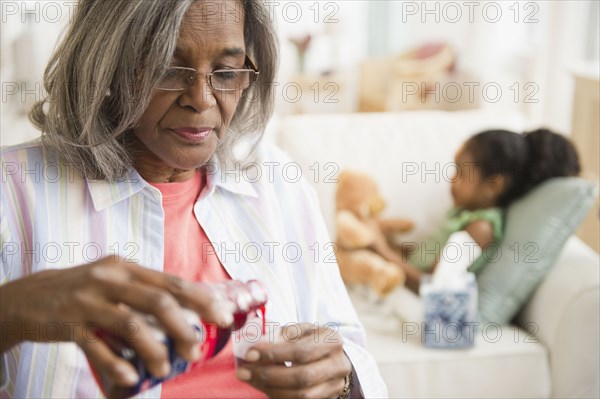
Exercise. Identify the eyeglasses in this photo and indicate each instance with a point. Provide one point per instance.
(182, 78)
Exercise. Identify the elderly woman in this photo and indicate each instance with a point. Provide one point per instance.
(132, 193)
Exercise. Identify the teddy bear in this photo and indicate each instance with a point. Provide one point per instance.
(363, 252)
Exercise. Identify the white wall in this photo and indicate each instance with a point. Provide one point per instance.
(29, 32)
(507, 52)
(531, 43)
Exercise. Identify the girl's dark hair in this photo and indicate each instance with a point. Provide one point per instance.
(524, 160)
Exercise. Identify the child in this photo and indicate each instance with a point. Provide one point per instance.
(494, 168)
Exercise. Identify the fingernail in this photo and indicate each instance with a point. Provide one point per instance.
(244, 374)
(129, 376)
(252, 355)
(195, 352)
(228, 318)
(225, 309)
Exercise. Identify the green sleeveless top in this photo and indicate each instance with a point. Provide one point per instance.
(456, 220)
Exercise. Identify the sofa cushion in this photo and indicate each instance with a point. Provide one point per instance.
(537, 227)
(411, 370)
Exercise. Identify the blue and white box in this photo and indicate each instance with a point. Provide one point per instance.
(450, 295)
(450, 314)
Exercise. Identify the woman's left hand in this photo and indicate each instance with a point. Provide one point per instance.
(318, 368)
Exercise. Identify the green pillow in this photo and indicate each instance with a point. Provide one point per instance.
(537, 226)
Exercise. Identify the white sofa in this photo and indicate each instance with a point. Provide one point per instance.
(552, 351)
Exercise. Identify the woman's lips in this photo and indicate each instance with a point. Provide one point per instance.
(193, 134)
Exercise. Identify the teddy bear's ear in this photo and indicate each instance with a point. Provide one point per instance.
(346, 192)
(351, 178)
(354, 190)
(343, 176)
(343, 180)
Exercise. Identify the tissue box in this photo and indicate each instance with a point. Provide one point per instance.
(450, 314)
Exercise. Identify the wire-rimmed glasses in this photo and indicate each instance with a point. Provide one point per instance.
(178, 78)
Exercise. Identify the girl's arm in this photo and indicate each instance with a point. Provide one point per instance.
(482, 233)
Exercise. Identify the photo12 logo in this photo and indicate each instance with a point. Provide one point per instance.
(37, 11)
(468, 92)
(296, 11)
(470, 11)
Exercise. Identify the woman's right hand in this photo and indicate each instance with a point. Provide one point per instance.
(70, 304)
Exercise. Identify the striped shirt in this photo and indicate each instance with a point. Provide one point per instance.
(263, 222)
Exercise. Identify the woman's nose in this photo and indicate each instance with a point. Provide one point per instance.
(199, 95)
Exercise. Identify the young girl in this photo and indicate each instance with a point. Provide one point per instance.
(493, 169)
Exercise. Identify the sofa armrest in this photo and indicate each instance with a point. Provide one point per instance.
(563, 314)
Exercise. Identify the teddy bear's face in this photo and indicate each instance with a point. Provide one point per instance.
(376, 204)
(358, 193)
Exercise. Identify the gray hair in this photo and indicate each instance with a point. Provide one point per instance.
(97, 91)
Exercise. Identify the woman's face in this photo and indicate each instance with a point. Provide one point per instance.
(179, 131)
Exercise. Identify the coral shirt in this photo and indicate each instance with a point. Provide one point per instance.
(186, 256)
